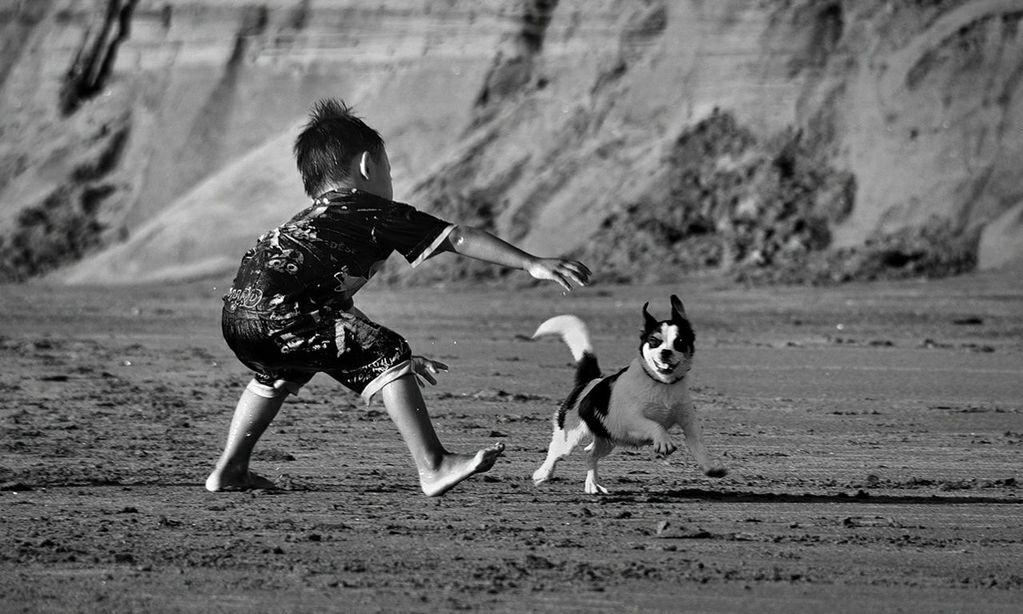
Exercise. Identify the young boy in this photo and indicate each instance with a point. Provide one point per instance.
(289, 313)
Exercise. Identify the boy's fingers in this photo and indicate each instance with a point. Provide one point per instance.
(577, 266)
(426, 368)
(562, 272)
(562, 281)
(578, 277)
(577, 271)
(435, 369)
(425, 374)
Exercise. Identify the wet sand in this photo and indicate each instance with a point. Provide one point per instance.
(873, 433)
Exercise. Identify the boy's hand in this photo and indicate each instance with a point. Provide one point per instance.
(563, 272)
(425, 368)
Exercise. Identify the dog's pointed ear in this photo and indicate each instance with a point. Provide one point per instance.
(678, 310)
(649, 321)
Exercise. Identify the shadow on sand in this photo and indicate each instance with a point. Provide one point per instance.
(863, 497)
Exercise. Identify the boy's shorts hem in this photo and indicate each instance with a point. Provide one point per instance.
(392, 373)
(279, 388)
(282, 387)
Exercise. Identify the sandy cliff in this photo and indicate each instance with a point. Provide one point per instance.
(794, 140)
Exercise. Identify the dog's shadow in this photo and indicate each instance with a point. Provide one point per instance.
(861, 497)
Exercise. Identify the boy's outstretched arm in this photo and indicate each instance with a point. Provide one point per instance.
(481, 245)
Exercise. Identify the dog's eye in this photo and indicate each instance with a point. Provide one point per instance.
(679, 345)
(654, 341)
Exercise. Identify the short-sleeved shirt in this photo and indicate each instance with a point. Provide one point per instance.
(321, 257)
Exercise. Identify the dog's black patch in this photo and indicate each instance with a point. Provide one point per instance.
(593, 407)
(586, 370)
(686, 337)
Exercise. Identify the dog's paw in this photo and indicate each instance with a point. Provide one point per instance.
(592, 488)
(540, 476)
(716, 472)
(664, 447)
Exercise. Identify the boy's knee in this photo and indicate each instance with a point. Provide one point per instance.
(279, 389)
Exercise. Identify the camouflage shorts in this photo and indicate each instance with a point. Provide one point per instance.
(287, 353)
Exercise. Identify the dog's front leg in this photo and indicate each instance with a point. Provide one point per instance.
(643, 430)
(597, 450)
(694, 440)
(663, 445)
(562, 443)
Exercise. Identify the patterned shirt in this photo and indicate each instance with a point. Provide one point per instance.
(321, 257)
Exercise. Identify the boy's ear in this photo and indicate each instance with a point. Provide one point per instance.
(364, 161)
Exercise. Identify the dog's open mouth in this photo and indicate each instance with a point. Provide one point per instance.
(664, 367)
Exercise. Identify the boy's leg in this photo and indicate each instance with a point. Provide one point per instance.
(439, 470)
(252, 416)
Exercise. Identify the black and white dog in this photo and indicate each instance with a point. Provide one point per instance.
(635, 406)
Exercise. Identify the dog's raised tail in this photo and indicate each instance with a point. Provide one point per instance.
(576, 336)
(572, 331)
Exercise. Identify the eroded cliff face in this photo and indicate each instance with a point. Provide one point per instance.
(197, 116)
(793, 141)
(151, 140)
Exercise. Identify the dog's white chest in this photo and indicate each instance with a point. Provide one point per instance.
(636, 396)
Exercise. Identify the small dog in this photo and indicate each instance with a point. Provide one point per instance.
(635, 406)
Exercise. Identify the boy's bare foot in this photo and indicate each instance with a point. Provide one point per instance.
(219, 481)
(455, 468)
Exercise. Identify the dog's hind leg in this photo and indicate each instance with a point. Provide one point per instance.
(562, 443)
(600, 448)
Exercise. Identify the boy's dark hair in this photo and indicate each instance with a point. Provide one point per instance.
(328, 143)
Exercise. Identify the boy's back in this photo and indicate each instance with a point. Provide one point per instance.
(327, 252)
